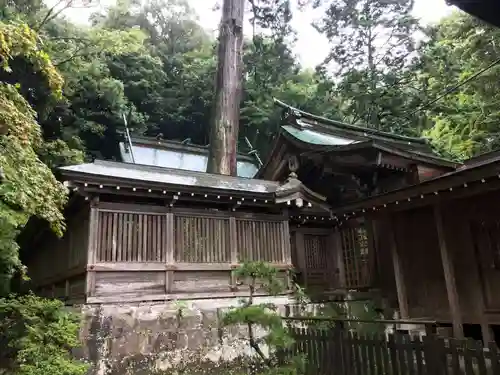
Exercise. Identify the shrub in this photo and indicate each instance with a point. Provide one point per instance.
(262, 276)
(37, 336)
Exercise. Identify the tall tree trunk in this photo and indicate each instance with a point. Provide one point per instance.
(226, 115)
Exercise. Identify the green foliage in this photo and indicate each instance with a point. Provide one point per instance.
(372, 51)
(466, 120)
(37, 336)
(28, 186)
(262, 276)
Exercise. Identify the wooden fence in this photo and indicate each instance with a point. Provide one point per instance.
(337, 352)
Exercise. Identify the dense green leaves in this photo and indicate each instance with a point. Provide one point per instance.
(37, 336)
(28, 186)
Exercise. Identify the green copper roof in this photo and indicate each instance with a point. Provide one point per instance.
(311, 136)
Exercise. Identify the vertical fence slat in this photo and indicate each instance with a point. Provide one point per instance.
(468, 357)
(480, 357)
(494, 356)
(377, 352)
(419, 355)
(454, 363)
(410, 354)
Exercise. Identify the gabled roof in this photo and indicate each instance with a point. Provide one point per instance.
(319, 124)
(178, 155)
(312, 130)
(312, 134)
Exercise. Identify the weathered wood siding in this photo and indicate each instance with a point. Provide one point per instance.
(149, 252)
(471, 230)
(56, 266)
(417, 242)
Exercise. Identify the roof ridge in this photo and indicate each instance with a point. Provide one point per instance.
(350, 126)
(156, 168)
(143, 140)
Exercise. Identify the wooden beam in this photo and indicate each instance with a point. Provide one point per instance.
(449, 275)
(399, 274)
(158, 266)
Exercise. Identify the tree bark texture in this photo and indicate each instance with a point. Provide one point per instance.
(226, 115)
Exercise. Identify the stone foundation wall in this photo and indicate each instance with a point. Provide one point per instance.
(143, 339)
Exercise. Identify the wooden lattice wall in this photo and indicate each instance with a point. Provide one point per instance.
(335, 258)
(184, 252)
(357, 257)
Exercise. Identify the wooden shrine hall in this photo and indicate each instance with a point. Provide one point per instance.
(415, 230)
(349, 208)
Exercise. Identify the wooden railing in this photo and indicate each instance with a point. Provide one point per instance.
(334, 351)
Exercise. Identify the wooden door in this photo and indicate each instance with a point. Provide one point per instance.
(318, 267)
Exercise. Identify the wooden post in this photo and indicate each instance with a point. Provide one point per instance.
(233, 246)
(225, 123)
(170, 252)
(339, 258)
(286, 252)
(449, 275)
(92, 247)
(398, 274)
(480, 303)
(301, 256)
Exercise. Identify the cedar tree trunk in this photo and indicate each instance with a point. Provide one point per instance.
(226, 114)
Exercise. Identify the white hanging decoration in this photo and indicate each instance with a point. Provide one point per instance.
(299, 202)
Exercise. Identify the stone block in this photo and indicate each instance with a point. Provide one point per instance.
(189, 322)
(195, 338)
(209, 319)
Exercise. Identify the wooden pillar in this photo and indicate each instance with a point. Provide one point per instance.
(339, 258)
(169, 256)
(480, 303)
(398, 273)
(233, 245)
(286, 251)
(92, 247)
(301, 256)
(449, 274)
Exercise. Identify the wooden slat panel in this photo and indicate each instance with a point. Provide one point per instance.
(201, 239)
(129, 284)
(260, 240)
(207, 281)
(131, 237)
